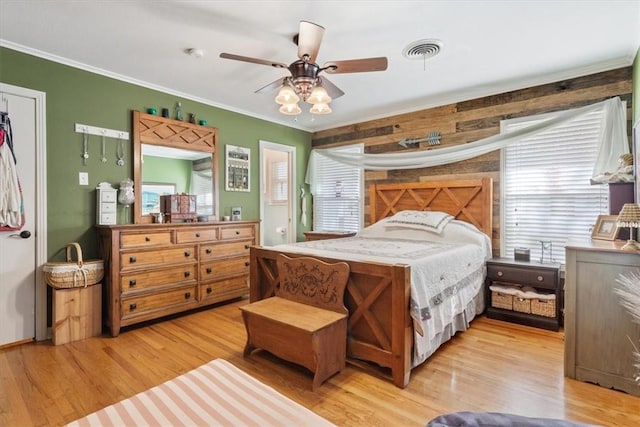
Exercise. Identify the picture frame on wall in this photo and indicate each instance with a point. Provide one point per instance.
(238, 171)
(151, 192)
(605, 228)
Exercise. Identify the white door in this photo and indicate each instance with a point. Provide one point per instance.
(20, 251)
(277, 195)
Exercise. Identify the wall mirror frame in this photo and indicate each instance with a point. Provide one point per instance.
(151, 132)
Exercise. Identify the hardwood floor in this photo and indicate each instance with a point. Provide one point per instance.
(495, 366)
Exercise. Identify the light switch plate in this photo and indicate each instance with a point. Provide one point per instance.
(83, 178)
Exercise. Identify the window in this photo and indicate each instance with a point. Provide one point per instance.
(337, 194)
(279, 184)
(546, 190)
(201, 186)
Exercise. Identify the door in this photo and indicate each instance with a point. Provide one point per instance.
(22, 293)
(277, 196)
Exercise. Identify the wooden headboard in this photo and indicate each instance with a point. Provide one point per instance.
(467, 200)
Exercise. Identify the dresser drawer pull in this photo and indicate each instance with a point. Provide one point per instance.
(246, 264)
(132, 282)
(209, 270)
(209, 290)
(147, 238)
(133, 306)
(187, 254)
(132, 259)
(237, 232)
(500, 273)
(208, 250)
(187, 273)
(540, 278)
(187, 295)
(197, 234)
(247, 246)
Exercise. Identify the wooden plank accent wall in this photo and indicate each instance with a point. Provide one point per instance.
(472, 120)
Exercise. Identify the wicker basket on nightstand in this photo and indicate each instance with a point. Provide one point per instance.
(543, 307)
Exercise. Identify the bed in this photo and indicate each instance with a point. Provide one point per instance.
(392, 323)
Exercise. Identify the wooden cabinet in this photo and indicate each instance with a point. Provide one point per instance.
(323, 235)
(543, 278)
(154, 270)
(599, 332)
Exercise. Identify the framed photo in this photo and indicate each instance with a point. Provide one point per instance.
(605, 228)
(238, 170)
(151, 192)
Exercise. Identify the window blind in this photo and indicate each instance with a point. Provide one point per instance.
(546, 190)
(338, 196)
(201, 186)
(279, 182)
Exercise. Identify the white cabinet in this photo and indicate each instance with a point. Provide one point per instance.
(598, 332)
(106, 204)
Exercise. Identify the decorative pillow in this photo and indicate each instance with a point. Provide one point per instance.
(422, 220)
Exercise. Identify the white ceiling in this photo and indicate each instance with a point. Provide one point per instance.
(489, 47)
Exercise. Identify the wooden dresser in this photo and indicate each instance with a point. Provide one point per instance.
(153, 270)
(599, 332)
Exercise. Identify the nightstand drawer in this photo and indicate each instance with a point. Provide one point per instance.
(535, 277)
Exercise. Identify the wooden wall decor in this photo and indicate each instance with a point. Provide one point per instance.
(469, 121)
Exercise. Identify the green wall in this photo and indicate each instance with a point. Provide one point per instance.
(78, 96)
(174, 171)
(636, 86)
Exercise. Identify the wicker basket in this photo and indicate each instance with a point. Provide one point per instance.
(523, 305)
(73, 274)
(501, 300)
(543, 307)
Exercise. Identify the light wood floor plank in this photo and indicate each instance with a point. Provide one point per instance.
(495, 366)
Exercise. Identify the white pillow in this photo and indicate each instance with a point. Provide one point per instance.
(421, 220)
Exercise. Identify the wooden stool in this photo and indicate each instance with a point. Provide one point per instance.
(306, 321)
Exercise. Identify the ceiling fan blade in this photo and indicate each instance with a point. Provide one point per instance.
(252, 60)
(332, 90)
(356, 65)
(272, 86)
(309, 39)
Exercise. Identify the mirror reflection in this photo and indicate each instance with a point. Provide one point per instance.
(167, 170)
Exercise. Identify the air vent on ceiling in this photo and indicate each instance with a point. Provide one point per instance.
(422, 49)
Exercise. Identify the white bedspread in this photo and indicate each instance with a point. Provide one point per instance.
(445, 277)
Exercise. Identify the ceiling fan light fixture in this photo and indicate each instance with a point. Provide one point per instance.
(292, 109)
(320, 109)
(319, 95)
(287, 96)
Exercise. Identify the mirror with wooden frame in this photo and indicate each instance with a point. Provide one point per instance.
(173, 157)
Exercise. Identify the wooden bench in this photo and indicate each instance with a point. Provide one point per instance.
(306, 321)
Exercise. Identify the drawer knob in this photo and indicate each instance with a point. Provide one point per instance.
(197, 234)
(187, 254)
(187, 295)
(209, 270)
(246, 264)
(208, 250)
(187, 273)
(132, 282)
(237, 232)
(147, 238)
(132, 259)
(209, 290)
(133, 306)
(500, 273)
(540, 278)
(246, 246)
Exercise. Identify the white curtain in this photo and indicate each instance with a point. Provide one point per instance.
(613, 143)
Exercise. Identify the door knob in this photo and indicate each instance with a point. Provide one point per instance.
(23, 234)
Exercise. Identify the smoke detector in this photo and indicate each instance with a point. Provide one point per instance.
(422, 49)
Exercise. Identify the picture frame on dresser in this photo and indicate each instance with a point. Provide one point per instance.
(605, 228)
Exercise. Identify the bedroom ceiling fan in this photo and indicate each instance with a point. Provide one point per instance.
(305, 81)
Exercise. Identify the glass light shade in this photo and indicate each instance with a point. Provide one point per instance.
(320, 109)
(287, 96)
(319, 96)
(290, 109)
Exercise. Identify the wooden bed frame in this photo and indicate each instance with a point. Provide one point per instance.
(378, 295)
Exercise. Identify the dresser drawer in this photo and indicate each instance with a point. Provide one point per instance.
(541, 278)
(236, 232)
(148, 279)
(235, 285)
(224, 267)
(157, 257)
(137, 306)
(196, 235)
(218, 250)
(145, 239)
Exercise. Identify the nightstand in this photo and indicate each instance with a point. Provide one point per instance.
(323, 235)
(528, 310)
